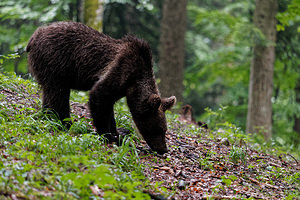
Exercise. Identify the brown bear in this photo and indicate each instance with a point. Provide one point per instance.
(69, 55)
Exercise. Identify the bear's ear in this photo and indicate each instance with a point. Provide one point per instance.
(167, 103)
(154, 101)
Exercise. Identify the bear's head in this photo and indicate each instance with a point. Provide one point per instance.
(152, 122)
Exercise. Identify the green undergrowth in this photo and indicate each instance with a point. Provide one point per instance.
(40, 159)
(277, 146)
(241, 146)
(220, 128)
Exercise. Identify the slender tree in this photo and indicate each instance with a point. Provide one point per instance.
(93, 13)
(259, 117)
(297, 118)
(80, 10)
(171, 56)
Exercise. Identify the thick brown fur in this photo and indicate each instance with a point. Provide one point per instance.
(70, 55)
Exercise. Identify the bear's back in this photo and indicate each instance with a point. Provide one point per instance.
(70, 53)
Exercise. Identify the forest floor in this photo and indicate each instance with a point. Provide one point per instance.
(199, 165)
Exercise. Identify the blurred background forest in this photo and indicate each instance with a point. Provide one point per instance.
(219, 38)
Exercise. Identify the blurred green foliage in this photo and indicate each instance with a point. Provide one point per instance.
(19, 19)
(290, 16)
(219, 42)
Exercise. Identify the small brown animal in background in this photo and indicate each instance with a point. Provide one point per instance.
(70, 55)
(186, 115)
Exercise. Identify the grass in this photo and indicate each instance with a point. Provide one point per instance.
(237, 137)
(40, 159)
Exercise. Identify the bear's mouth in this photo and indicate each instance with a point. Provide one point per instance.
(163, 151)
(157, 144)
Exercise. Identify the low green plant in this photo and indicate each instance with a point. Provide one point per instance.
(8, 57)
(205, 162)
(81, 126)
(217, 122)
(79, 96)
(221, 127)
(237, 154)
(123, 116)
(228, 180)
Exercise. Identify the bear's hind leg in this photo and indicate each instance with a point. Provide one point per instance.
(57, 100)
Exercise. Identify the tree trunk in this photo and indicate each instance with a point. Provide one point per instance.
(171, 58)
(297, 125)
(71, 11)
(80, 10)
(93, 14)
(16, 65)
(259, 117)
(297, 118)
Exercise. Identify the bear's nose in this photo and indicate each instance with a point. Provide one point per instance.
(162, 151)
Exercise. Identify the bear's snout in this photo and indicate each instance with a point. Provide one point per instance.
(157, 144)
(162, 151)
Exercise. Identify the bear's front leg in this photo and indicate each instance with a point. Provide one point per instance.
(101, 103)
